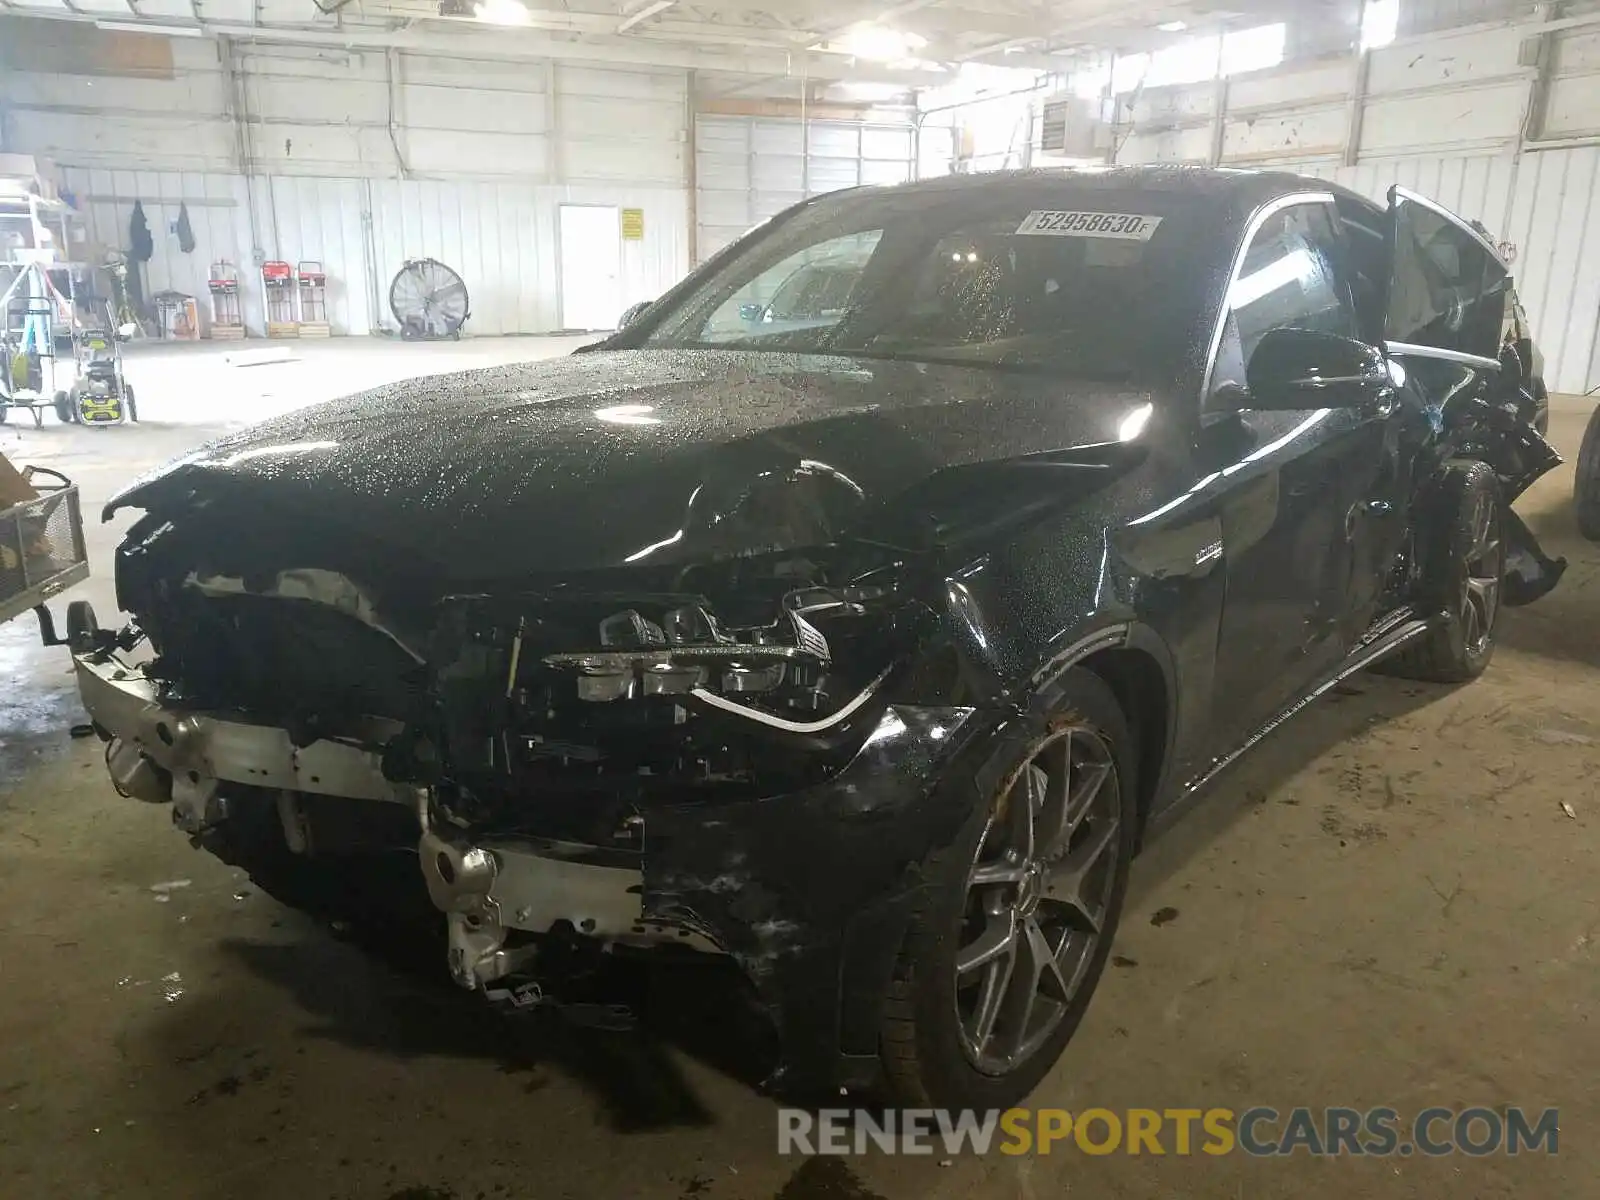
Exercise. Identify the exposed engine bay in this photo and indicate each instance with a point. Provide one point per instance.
(519, 741)
(664, 698)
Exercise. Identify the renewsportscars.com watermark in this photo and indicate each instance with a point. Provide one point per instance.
(1260, 1132)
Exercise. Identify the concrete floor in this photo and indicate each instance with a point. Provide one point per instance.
(1385, 905)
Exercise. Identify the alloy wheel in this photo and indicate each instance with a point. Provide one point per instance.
(1480, 596)
(1038, 895)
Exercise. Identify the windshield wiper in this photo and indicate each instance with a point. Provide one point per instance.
(1009, 363)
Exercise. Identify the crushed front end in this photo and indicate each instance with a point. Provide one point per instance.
(748, 759)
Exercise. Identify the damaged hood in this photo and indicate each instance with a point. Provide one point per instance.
(603, 459)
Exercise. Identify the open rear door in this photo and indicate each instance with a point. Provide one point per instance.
(1446, 313)
(1449, 289)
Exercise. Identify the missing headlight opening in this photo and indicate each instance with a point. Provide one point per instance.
(548, 692)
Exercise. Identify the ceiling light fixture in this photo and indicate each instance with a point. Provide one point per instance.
(877, 44)
(1173, 26)
(152, 27)
(1380, 22)
(500, 12)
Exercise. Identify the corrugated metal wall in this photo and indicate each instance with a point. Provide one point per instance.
(1546, 205)
(1447, 115)
(363, 160)
(501, 237)
(750, 168)
(345, 114)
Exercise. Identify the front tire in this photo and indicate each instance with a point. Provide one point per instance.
(83, 630)
(1586, 484)
(1003, 957)
(1463, 577)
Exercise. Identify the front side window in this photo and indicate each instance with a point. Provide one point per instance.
(1291, 279)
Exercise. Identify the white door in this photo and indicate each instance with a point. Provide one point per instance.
(591, 266)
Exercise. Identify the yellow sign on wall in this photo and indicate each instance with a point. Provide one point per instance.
(633, 224)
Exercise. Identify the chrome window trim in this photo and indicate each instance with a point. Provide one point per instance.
(1257, 219)
(1411, 350)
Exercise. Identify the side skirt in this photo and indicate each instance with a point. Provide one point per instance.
(1385, 638)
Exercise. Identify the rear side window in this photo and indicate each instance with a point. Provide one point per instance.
(1447, 291)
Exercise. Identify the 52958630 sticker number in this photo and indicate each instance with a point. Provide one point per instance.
(1134, 227)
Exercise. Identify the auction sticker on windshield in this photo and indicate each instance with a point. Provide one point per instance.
(1133, 227)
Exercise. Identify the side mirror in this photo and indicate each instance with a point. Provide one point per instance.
(632, 314)
(1295, 369)
(752, 312)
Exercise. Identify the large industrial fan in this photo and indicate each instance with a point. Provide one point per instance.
(429, 300)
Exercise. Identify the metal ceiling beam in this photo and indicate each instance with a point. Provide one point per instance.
(505, 45)
(637, 13)
(704, 33)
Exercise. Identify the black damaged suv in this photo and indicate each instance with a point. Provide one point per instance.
(863, 648)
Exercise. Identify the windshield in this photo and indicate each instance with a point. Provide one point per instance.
(1080, 281)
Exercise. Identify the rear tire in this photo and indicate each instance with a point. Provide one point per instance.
(131, 402)
(961, 1030)
(1586, 483)
(64, 410)
(1463, 576)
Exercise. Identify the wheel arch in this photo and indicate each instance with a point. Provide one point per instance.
(1140, 673)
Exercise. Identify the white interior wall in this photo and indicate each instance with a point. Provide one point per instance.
(1466, 115)
(362, 160)
(500, 236)
(751, 168)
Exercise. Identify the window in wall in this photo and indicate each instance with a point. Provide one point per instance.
(1192, 60)
(1253, 49)
(1380, 21)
